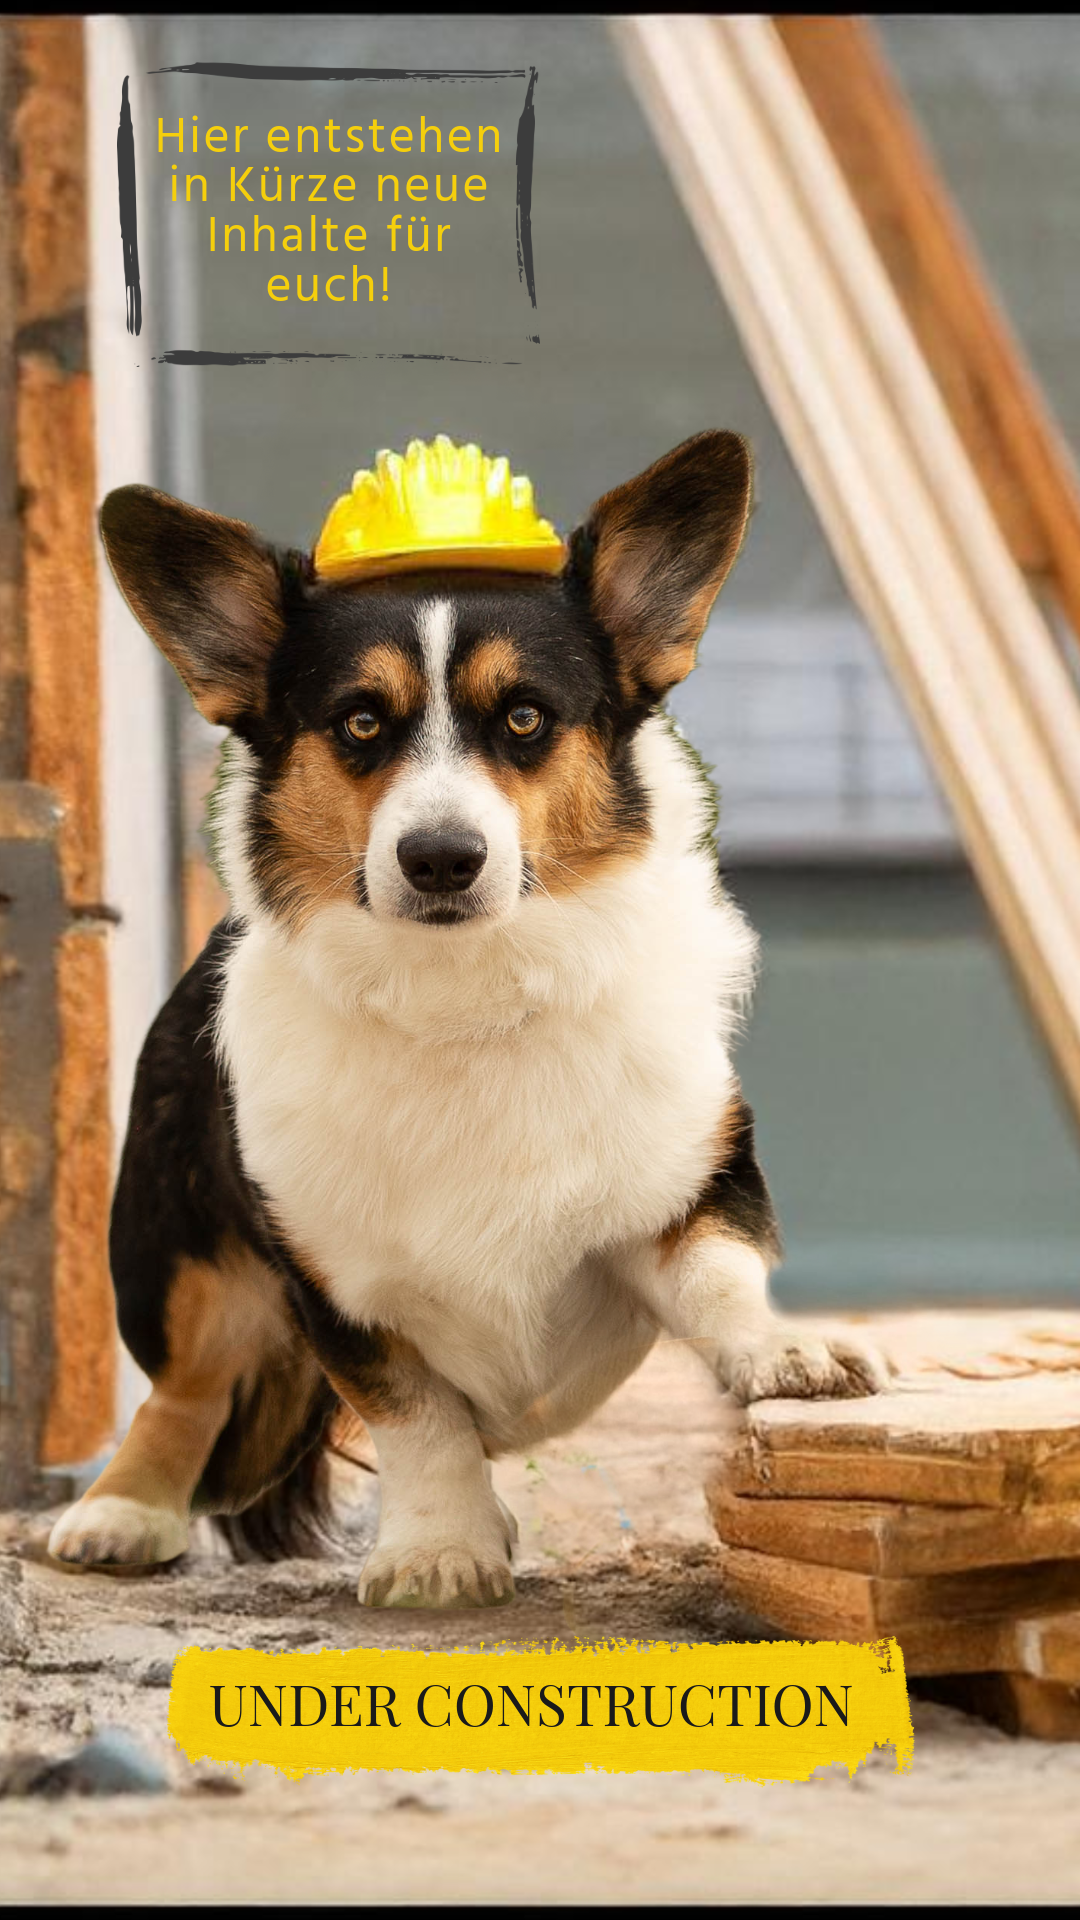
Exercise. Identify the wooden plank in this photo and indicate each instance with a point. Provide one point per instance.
(1048, 1648)
(984, 1412)
(944, 1482)
(1020, 1705)
(892, 1539)
(770, 1594)
(939, 1632)
(937, 1347)
(1027, 1466)
(991, 394)
(1022, 1437)
(758, 1473)
(896, 492)
(863, 1606)
(1044, 1646)
(1037, 1709)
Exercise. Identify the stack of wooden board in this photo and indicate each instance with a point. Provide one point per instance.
(945, 1512)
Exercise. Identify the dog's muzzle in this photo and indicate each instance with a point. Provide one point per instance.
(446, 861)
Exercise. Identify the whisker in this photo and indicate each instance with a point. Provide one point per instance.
(559, 905)
(550, 857)
(576, 891)
(545, 890)
(335, 882)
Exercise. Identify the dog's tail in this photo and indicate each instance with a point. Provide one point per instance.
(291, 1520)
(266, 1484)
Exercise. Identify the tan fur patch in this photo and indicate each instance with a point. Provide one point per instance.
(699, 1222)
(649, 655)
(222, 646)
(626, 563)
(492, 671)
(394, 678)
(222, 1322)
(322, 819)
(568, 812)
(666, 542)
(389, 1391)
(348, 1437)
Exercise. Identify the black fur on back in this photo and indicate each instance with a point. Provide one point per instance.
(292, 1517)
(182, 1194)
(292, 1520)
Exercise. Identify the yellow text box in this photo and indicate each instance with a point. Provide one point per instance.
(763, 1711)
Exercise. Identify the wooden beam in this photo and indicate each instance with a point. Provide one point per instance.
(897, 494)
(1019, 1703)
(992, 396)
(50, 715)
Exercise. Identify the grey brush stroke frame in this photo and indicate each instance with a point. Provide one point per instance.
(526, 139)
(129, 216)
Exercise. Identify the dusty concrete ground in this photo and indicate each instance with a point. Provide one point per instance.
(615, 1541)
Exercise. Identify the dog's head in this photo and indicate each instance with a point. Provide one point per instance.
(436, 746)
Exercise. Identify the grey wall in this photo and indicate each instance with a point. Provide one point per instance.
(914, 1139)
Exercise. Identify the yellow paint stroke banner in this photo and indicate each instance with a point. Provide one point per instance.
(764, 1711)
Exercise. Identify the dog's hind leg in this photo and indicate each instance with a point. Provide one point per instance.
(219, 1323)
(235, 1422)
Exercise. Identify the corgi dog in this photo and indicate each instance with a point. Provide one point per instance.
(443, 1124)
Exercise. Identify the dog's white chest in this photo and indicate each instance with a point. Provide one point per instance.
(466, 1181)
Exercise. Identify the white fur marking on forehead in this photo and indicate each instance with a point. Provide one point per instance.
(435, 626)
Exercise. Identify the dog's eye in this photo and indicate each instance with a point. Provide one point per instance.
(363, 724)
(524, 720)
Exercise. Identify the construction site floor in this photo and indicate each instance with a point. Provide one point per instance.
(615, 1542)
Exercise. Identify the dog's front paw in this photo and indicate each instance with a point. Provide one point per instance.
(786, 1363)
(110, 1529)
(435, 1577)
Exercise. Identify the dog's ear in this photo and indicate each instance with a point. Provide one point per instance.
(654, 554)
(207, 590)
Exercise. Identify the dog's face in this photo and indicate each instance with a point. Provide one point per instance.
(437, 746)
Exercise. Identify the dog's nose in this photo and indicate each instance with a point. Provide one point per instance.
(445, 862)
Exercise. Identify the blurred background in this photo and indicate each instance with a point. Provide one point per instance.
(912, 1130)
